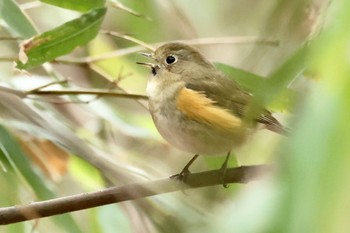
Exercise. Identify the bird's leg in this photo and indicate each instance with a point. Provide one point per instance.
(224, 168)
(185, 171)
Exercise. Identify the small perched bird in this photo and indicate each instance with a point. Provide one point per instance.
(194, 106)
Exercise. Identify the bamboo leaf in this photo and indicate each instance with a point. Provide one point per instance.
(61, 40)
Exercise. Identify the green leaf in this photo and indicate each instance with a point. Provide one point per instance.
(76, 5)
(12, 149)
(249, 81)
(61, 40)
(254, 84)
(16, 19)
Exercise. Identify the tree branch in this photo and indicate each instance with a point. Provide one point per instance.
(128, 192)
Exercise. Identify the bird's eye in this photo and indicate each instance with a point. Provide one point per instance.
(170, 59)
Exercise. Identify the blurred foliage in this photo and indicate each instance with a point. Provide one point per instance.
(50, 149)
(18, 23)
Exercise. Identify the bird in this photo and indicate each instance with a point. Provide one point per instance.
(197, 108)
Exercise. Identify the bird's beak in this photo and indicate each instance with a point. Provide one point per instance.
(153, 67)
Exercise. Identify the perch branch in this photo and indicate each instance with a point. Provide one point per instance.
(128, 192)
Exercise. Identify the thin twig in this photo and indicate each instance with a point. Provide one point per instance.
(128, 192)
(198, 41)
(129, 38)
(48, 85)
(120, 6)
(86, 92)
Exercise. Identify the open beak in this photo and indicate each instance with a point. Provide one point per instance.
(154, 67)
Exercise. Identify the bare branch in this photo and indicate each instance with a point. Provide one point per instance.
(128, 192)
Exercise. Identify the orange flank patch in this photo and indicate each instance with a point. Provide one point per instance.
(195, 105)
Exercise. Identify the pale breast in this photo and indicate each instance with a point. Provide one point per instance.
(192, 128)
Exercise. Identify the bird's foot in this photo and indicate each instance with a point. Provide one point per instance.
(223, 170)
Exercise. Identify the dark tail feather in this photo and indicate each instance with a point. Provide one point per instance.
(272, 123)
(278, 128)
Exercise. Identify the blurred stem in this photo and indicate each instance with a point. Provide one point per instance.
(127, 192)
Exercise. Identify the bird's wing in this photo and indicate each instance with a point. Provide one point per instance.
(197, 106)
(228, 94)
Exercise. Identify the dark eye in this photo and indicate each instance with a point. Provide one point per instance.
(170, 59)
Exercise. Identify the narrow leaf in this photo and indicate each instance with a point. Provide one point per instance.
(16, 19)
(61, 40)
(76, 5)
(249, 81)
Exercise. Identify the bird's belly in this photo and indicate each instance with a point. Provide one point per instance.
(196, 138)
